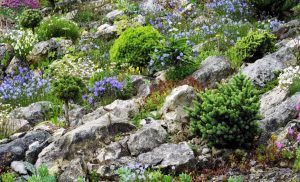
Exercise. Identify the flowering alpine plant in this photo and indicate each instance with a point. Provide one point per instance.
(107, 87)
(24, 88)
(34, 4)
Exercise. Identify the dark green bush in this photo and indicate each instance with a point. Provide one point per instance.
(227, 116)
(273, 7)
(252, 47)
(66, 89)
(58, 27)
(30, 18)
(134, 46)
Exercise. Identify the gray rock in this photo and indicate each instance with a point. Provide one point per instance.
(113, 151)
(41, 50)
(33, 151)
(288, 30)
(106, 31)
(275, 116)
(179, 156)
(125, 109)
(83, 140)
(34, 113)
(273, 175)
(180, 97)
(98, 113)
(263, 70)
(19, 167)
(75, 169)
(147, 138)
(18, 125)
(213, 69)
(141, 85)
(15, 150)
(140, 19)
(111, 16)
(14, 65)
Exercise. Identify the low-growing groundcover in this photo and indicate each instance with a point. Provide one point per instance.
(227, 116)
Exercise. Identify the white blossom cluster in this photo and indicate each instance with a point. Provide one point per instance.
(22, 41)
(286, 78)
(79, 67)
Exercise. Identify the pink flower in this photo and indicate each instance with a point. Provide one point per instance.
(298, 137)
(279, 145)
(291, 131)
(298, 107)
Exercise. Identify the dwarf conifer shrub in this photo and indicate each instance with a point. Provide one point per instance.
(66, 89)
(58, 27)
(30, 18)
(227, 116)
(252, 47)
(134, 46)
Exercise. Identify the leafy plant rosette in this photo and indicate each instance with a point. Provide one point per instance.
(171, 53)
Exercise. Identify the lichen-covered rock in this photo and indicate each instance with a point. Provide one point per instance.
(14, 65)
(288, 30)
(213, 69)
(141, 85)
(16, 149)
(145, 139)
(179, 156)
(6, 55)
(263, 70)
(123, 108)
(34, 113)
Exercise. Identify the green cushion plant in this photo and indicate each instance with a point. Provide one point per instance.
(227, 116)
(134, 46)
(58, 27)
(252, 47)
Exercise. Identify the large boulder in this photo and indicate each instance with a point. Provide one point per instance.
(277, 113)
(41, 50)
(34, 113)
(83, 140)
(16, 149)
(264, 70)
(177, 156)
(213, 69)
(145, 139)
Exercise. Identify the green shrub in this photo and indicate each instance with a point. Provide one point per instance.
(227, 116)
(66, 89)
(272, 7)
(235, 179)
(7, 177)
(295, 86)
(30, 18)
(134, 46)
(41, 174)
(179, 73)
(58, 27)
(252, 47)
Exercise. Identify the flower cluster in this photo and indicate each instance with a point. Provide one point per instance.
(20, 3)
(107, 87)
(229, 7)
(79, 67)
(22, 41)
(275, 24)
(292, 135)
(289, 74)
(26, 84)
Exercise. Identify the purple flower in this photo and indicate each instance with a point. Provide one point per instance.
(279, 145)
(291, 131)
